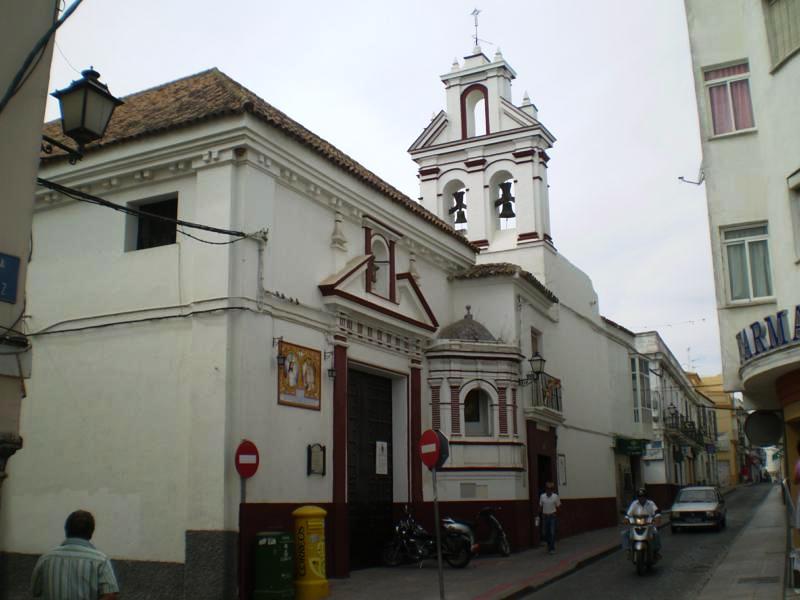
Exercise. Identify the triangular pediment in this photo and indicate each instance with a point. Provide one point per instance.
(435, 133)
(514, 117)
(348, 288)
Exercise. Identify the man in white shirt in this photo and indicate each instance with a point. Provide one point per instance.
(549, 502)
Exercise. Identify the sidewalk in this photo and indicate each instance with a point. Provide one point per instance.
(753, 568)
(486, 578)
(755, 565)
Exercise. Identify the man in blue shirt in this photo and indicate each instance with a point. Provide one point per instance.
(76, 569)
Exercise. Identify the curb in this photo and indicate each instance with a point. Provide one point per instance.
(580, 564)
(584, 562)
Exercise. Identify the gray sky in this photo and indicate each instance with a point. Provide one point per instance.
(611, 78)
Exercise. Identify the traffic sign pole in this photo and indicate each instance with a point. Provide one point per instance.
(438, 534)
(246, 460)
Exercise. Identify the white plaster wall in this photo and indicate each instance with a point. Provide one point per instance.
(590, 464)
(79, 249)
(109, 436)
(23, 24)
(746, 174)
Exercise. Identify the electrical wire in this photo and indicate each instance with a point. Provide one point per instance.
(34, 56)
(64, 56)
(144, 320)
(84, 197)
(194, 237)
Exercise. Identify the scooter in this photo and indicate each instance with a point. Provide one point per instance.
(496, 540)
(641, 536)
(411, 542)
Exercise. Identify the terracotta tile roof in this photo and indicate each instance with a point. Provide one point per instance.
(212, 94)
(617, 325)
(507, 269)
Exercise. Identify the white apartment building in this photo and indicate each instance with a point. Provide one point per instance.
(684, 424)
(747, 80)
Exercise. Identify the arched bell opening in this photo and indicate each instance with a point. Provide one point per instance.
(503, 200)
(474, 111)
(454, 199)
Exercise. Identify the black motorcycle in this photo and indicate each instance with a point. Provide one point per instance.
(496, 539)
(412, 543)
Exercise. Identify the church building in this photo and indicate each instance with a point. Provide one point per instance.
(333, 322)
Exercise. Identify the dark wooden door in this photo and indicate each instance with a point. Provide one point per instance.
(369, 454)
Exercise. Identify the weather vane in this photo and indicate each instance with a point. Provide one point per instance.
(475, 14)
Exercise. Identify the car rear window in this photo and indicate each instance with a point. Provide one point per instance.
(697, 496)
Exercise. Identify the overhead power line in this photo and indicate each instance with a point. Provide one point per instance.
(91, 199)
(34, 55)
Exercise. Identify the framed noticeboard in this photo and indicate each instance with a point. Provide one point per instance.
(299, 379)
(315, 464)
(562, 469)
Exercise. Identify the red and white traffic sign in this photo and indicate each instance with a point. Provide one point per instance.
(434, 449)
(247, 459)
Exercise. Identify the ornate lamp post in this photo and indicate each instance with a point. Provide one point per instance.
(86, 108)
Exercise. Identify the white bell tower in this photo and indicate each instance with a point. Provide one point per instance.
(483, 161)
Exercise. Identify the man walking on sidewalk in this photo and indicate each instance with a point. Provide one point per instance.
(75, 569)
(549, 502)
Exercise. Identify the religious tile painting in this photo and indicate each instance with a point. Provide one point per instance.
(299, 379)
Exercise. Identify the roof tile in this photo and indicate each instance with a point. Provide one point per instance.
(211, 94)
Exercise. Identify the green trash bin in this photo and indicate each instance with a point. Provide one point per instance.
(274, 566)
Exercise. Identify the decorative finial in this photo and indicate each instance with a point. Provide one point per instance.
(455, 66)
(469, 314)
(498, 56)
(526, 99)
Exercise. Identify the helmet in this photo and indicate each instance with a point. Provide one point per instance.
(641, 492)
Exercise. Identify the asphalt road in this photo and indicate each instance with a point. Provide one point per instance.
(689, 558)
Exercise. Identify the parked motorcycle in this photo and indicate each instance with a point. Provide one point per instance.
(642, 533)
(411, 542)
(496, 540)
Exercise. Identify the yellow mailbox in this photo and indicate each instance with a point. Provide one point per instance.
(309, 535)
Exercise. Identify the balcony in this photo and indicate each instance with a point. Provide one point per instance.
(545, 400)
(685, 431)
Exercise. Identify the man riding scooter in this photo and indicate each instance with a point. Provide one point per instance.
(643, 507)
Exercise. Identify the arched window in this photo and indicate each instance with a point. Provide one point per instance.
(477, 413)
(503, 198)
(455, 197)
(379, 270)
(473, 124)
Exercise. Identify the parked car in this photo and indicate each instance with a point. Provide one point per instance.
(698, 506)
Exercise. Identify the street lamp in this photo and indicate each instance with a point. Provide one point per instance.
(86, 108)
(537, 368)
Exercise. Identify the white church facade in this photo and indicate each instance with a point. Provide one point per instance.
(348, 319)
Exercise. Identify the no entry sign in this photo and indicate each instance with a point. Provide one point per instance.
(246, 459)
(434, 449)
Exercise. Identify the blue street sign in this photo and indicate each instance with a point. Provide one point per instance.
(9, 273)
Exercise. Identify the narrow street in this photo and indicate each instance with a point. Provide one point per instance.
(689, 560)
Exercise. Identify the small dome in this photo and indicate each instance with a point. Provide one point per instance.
(466, 329)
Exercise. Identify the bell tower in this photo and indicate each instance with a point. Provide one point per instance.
(483, 160)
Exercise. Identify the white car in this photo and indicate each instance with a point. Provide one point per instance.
(698, 506)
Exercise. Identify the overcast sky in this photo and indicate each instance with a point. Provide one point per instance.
(612, 81)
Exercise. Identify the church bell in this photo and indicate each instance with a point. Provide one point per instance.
(507, 212)
(458, 207)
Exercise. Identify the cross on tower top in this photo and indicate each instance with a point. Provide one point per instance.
(475, 14)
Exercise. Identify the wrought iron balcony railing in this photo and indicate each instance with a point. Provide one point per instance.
(547, 393)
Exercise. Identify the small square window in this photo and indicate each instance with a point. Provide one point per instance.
(160, 229)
